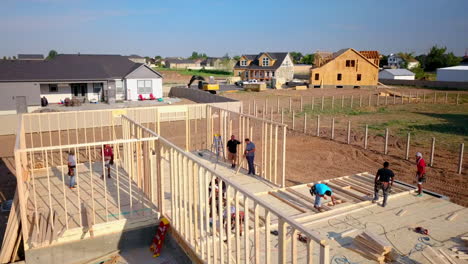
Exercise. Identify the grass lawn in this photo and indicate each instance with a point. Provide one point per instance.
(204, 73)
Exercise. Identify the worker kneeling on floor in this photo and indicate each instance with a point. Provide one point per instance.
(321, 190)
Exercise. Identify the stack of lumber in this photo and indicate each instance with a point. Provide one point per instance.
(371, 247)
(12, 238)
(461, 252)
(47, 230)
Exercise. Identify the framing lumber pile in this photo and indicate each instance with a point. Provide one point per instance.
(12, 238)
(371, 247)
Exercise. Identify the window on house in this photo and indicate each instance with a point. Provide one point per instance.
(358, 77)
(272, 74)
(97, 87)
(246, 74)
(268, 74)
(317, 76)
(338, 76)
(350, 63)
(266, 61)
(243, 63)
(144, 87)
(119, 86)
(53, 88)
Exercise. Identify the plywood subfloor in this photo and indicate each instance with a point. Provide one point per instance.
(92, 192)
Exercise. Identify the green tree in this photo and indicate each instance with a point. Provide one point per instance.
(237, 57)
(437, 58)
(52, 54)
(14, 57)
(296, 56)
(308, 59)
(383, 61)
(157, 57)
(406, 57)
(4, 58)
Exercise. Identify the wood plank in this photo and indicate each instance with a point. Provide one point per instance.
(452, 216)
(287, 202)
(447, 256)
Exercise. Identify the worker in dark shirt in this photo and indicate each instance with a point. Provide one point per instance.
(232, 150)
(384, 181)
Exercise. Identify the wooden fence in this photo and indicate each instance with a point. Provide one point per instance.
(274, 110)
(326, 103)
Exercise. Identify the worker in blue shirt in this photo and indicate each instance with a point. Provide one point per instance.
(250, 155)
(321, 190)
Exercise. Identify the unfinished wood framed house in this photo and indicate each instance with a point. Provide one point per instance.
(346, 68)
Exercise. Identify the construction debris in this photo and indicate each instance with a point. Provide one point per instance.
(371, 247)
(12, 238)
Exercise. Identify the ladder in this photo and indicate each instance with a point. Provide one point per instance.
(217, 147)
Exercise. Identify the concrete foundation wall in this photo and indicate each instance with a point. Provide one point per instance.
(431, 84)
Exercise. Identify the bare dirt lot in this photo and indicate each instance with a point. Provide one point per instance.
(310, 158)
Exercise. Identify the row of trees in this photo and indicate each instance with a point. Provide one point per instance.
(51, 55)
(298, 58)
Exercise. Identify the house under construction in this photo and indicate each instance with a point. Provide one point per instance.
(346, 68)
(165, 166)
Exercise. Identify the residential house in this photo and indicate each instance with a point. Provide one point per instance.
(137, 59)
(214, 63)
(396, 74)
(84, 77)
(396, 62)
(453, 74)
(30, 57)
(265, 66)
(181, 63)
(346, 68)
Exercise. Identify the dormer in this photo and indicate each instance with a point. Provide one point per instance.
(244, 61)
(265, 60)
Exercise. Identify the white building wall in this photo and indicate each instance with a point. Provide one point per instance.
(449, 75)
(132, 91)
(55, 97)
(404, 77)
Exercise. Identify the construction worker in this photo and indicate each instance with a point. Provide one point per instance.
(232, 150)
(421, 172)
(384, 181)
(71, 168)
(108, 159)
(249, 154)
(321, 190)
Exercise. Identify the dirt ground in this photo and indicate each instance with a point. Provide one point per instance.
(310, 158)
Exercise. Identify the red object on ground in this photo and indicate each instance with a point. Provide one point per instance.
(140, 97)
(158, 239)
(152, 97)
(421, 230)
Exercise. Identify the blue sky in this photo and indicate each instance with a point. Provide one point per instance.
(176, 28)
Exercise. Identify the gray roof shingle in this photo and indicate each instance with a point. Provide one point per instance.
(68, 67)
(400, 72)
(255, 64)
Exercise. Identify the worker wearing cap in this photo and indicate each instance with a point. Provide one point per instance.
(384, 181)
(321, 190)
(421, 172)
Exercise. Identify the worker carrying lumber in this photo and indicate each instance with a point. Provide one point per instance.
(321, 190)
(383, 180)
(420, 173)
(249, 154)
(232, 150)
